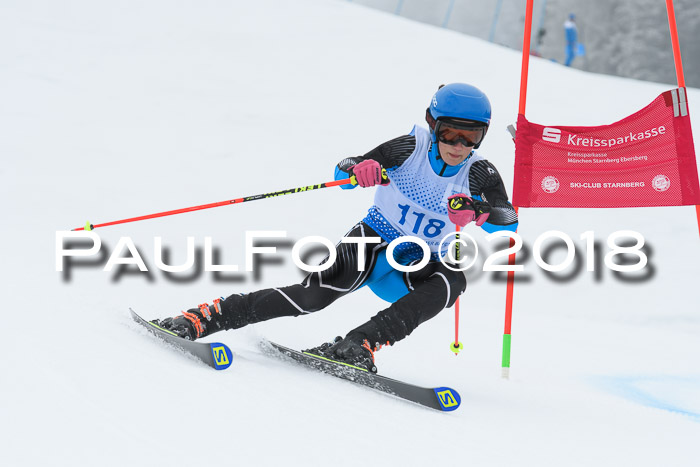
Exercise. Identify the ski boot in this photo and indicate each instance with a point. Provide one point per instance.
(347, 351)
(195, 322)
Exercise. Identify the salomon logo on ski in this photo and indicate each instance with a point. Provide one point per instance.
(442, 398)
(449, 398)
(215, 354)
(222, 356)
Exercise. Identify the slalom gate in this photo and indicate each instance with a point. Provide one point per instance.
(646, 159)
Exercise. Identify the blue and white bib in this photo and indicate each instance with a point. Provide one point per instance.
(415, 202)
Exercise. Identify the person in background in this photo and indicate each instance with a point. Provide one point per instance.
(571, 33)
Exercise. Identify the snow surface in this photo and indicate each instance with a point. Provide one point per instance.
(116, 109)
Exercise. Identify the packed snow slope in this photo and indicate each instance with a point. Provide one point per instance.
(112, 110)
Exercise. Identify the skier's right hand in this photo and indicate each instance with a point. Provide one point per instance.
(368, 173)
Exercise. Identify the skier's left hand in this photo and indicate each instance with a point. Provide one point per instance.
(462, 210)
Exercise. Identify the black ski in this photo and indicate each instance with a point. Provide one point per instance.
(442, 398)
(215, 354)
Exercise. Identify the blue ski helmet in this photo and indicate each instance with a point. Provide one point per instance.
(461, 105)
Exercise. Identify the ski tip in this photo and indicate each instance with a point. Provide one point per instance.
(134, 315)
(448, 398)
(223, 357)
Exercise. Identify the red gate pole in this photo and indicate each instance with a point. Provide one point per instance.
(505, 358)
(526, 57)
(679, 64)
(674, 41)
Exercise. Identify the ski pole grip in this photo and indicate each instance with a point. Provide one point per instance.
(385, 178)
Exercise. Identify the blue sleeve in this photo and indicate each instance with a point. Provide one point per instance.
(340, 175)
(491, 228)
(505, 213)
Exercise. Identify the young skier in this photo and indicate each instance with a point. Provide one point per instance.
(427, 181)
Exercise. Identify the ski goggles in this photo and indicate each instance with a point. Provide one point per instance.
(468, 133)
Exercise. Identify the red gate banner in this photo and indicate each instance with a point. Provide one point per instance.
(646, 159)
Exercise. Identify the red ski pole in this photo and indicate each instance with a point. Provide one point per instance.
(346, 181)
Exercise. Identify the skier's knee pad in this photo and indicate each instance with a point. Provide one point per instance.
(313, 298)
(454, 281)
(457, 282)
